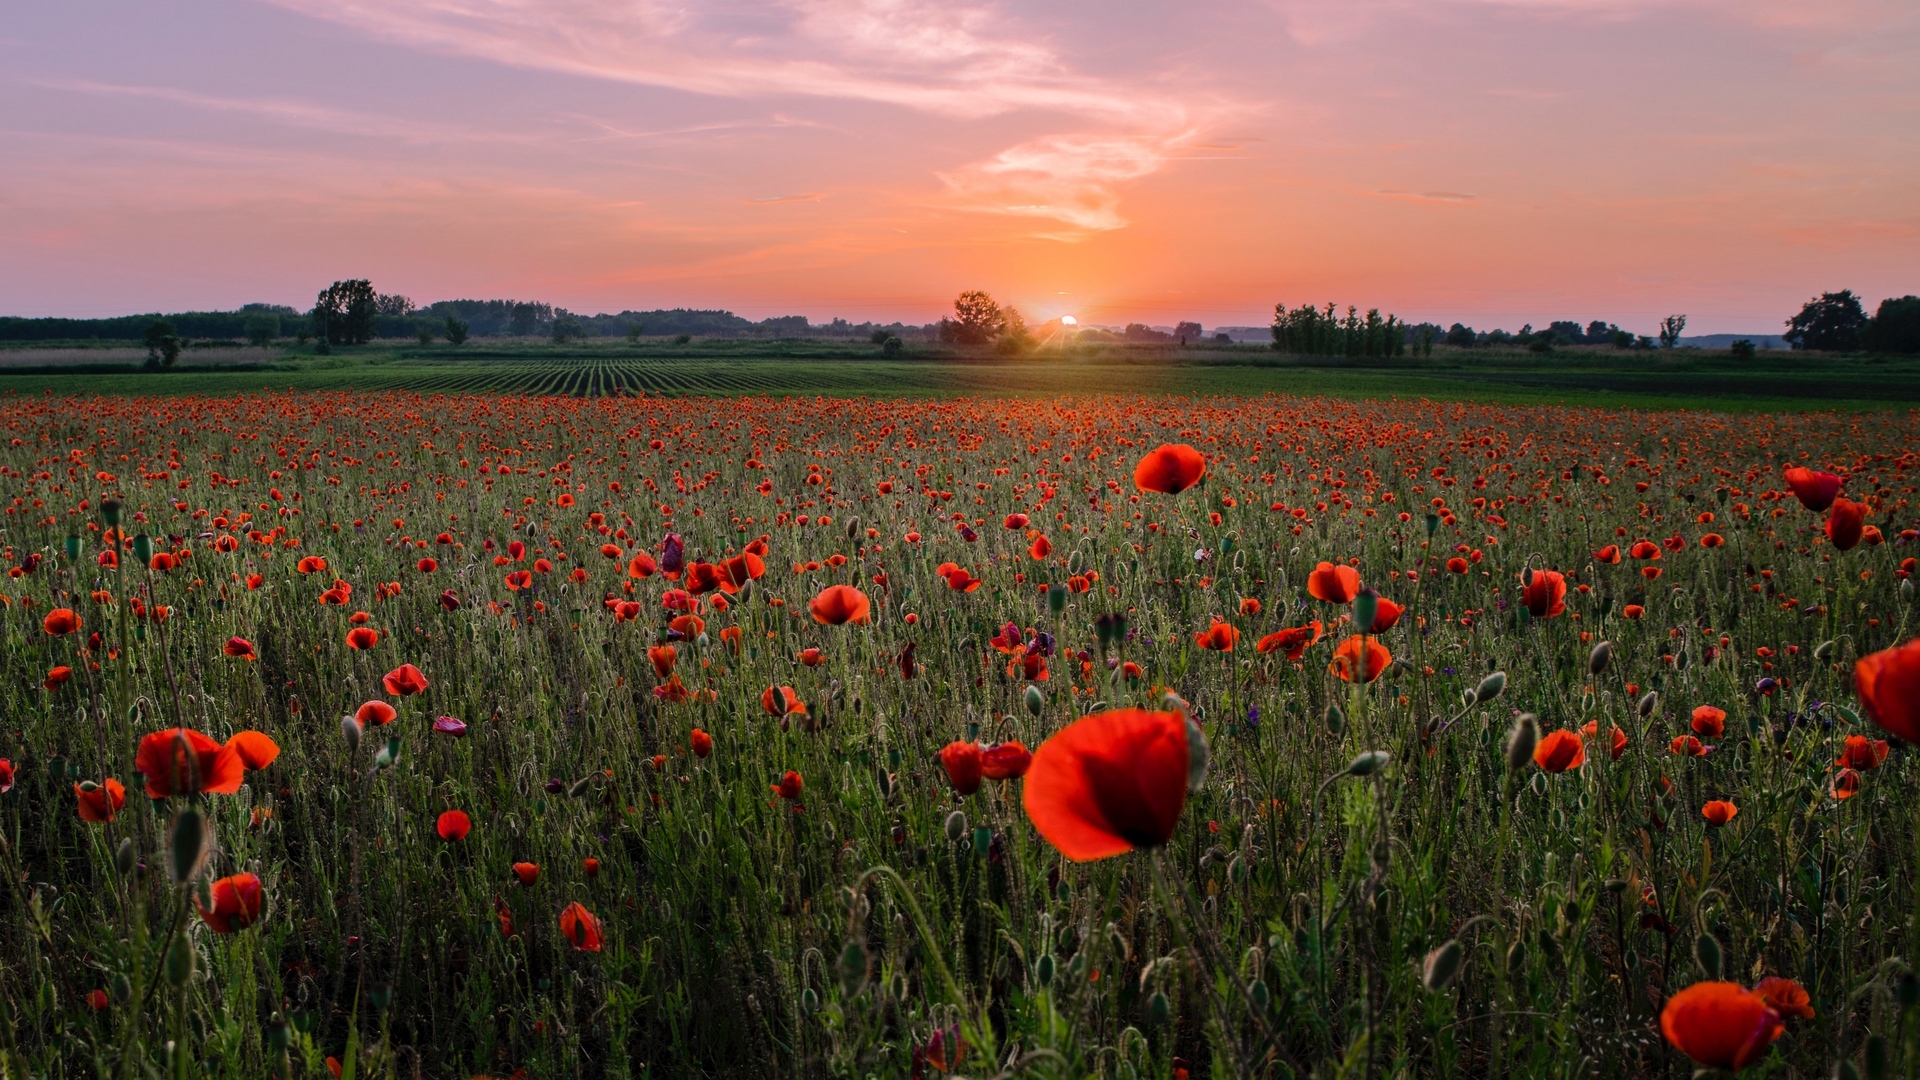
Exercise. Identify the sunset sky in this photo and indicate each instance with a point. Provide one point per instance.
(1491, 161)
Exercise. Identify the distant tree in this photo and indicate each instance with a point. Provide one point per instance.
(1542, 341)
(163, 345)
(1188, 332)
(344, 311)
(1599, 333)
(892, 346)
(526, 318)
(1643, 342)
(1496, 336)
(1671, 328)
(395, 304)
(1568, 332)
(567, 328)
(976, 319)
(633, 333)
(456, 331)
(1742, 349)
(1622, 339)
(1461, 336)
(683, 339)
(262, 329)
(1831, 321)
(1895, 327)
(1013, 331)
(424, 333)
(879, 337)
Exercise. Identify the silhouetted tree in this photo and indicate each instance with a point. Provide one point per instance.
(1831, 321)
(1671, 328)
(976, 319)
(262, 329)
(1188, 332)
(1461, 335)
(394, 304)
(163, 345)
(343, 314)
(456, 331)
(1895, 327)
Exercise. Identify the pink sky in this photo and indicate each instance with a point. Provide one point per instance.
(1493, 161)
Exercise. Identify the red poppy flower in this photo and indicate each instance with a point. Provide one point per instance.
(362, 638)
(1559, 751)
(663, 658)
(1592, 730)
(1786, 997)
(1040, 548)
(1815, 490)
(1720, 1025)
(1334, 584)
(964, 765)
(374, 713)
(641, 565)
(704, 577)
(781, 701)
(700, 743)
(838, 605)
(1846, 524)
(1645, 549)
(239, 647)
(60, 622)
(1687, 746)
(1709, 722)
(1170, 469)
(6, 776)
(57, 676)
(1632, 611)
(1005, 761)
(1219, 637)
(237, 903)
(1863, 753)
(790, 786)
(1386, 616)
(1609, 554)
(99, 802)
(1546, 594)
(1718, 811)
(1015, 521)
(453, 825)
(1110, 782)
(1293, 641)
(581, 927)
(1347, 664)
(404, 681)
(1889, 686)
(527, 872)
(182, 761)
(960, 580)
(427, 565)
(1457, 565)
(312, 564)
(743, 568)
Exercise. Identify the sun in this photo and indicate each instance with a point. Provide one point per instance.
(1068, 320)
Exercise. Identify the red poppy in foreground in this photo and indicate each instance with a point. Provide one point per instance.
(527, 872)
(239, 648)
(373, 713)
(1293, 640)
(1348, 666)
(1545, 595)
(1170, 469)
(781, 701)
(1815, 490)
(362, 638)
(700, 743)
(60, 622)
(1559, 751)
(6, 776)
(404, 681)
(182, 761)
(1334, 584)
(237, 903)
(99, 802)
(965, 765)
(1862, 753)
(1720, 1025)
(1719, 811)
(453, 825)
(1846, 524)
(1889, 686)
(1592, 730)
(1687, 746)
(1005, 761)
(1386, 616)
(581, 927)
(790, 786)
(1709, 722)
(838, 605)
(1788, 998)
(1110, 782)
(1220, 637)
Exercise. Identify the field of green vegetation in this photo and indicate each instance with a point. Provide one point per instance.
(1684, 378)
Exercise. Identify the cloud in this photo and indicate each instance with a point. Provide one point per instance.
(1069, 178)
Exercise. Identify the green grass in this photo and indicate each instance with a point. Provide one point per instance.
(1690, 379)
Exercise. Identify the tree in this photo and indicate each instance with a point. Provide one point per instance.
(1742, 349)
(456, 331)
(1831, 321)
(1013, 331)
(395, 304)
(633, 333)
(262, 329)
(567, 328)
(527, 317)
(1568, 332)
(1622, 339)
(892, 346)
(163, 345)
(1600, 333)
(976, 318)
(1188, 333)
(424, 333)
(1670, 330)
(1461, 336)
(343, 314)
(1895, 327)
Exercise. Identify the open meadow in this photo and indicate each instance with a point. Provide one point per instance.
(701, 722)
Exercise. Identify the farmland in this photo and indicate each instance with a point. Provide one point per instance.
(586, 714)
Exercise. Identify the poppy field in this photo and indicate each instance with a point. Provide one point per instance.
(409, 734)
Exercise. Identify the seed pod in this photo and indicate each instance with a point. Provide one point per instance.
(1517, 956)
(189, 843)
(121, 988)
(278, 1035)
(1237, 870)
(1043, 970)
(956, 825)
(350, 730)
(124, 857)
(1648, 702)
(1159, 1009)
(1490, 687)
(1600, 657)
(143, 549)
(1366, 604)
(1336, 720)
(1369, 763)
(1261, 996)
(1706, 953)
(579, 787)
(1056, 598)
(853, 968)
(1441, 965)
(982, 841)
(1906, 589)
(1521, 740)
(1036, 701)
(853, 527)
(809, 1000)
(179, 964)
(1433, 523)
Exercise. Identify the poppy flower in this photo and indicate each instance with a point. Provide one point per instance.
(450, 600)
(1720, 1025)
(1709, 722)
(1592, 730)
(1546, 594)
(1632, 611)
(964, 765)
(1334, 584)
(1111, 782)
(811, 656)
(1687, 746)
(1815, 490)
(312, 564)
(1609, 554)
(1846, 524)
(581, 927)
(1718, 811)
(6, 776)
(453, 825)
(362, 638)
(1862, 753)
(60, 622)
(1386, 616)
(590, 866)
(97, 1000)
(1457, 565)
(663, 658)
(1170, 469)
(404, 681)
(527, 872)
(1005, 761)
(239, 647)
(641, 566)
(374, 713)
(450, 725)
(743, 568)
(182, 761)
(1219, 637)
(960, 580)
(700, 743)
(99, 802)
(1559, 751)
(838, 605)
(1645, 550)
(1889, 686)
(237, 903)
(1293, 640)
(1788, 998)
(57, 676)
(704, 577)
(1347, 664)
(781, 701)
(945, 1050)
(790, 786)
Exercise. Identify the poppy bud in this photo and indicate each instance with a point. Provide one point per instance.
(143, 549)
(1521, 741)
(1490, 687)
(350, 730)
(1648, 702)
(809, 1000)
(381, 998)
(853, 968)
(1600, 657)
(1336, 720)
(1159, 1010)
(956, 825)
(179, 965)
(579, 787)
(387, 756)
(1433, 523)
(278, 1035)
(1706, 953)
(1036, 700)
(1043, 970)
(1366, 604)
(1441, 965)
(1906, 589)
(1056, 598)
(189, 842)
(124, 857)
(73, 547)
(121, 988)
(982, 840)
(1369, 763)
(1516, 956)
(110, 511)
(1823, 652)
